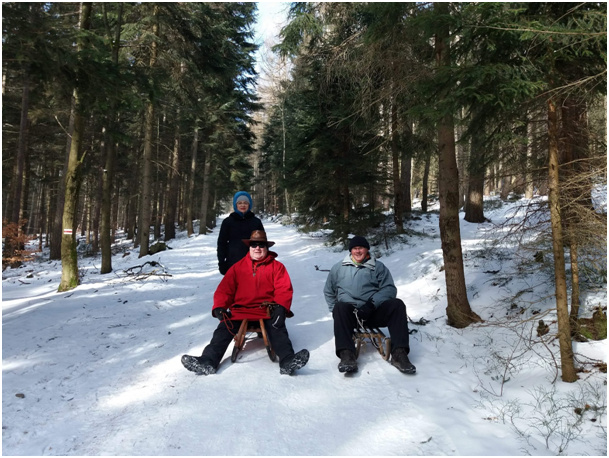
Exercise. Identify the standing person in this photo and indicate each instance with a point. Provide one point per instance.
(254, 280)
(236, 227)
(360, 287)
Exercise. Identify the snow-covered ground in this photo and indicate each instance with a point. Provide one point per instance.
(96, 371)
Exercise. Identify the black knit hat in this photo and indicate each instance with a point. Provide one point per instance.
(358, 240)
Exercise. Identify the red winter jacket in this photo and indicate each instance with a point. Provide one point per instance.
(248, 284)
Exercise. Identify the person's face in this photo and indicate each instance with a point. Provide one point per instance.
(243, 206)
(258, 250)
(359, 253)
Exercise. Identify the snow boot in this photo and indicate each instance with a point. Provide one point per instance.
(291, 363)
(399, 359)
(348, 363)
(198, 366)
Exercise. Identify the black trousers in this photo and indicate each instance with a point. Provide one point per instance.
(390, 314)
(223, 336)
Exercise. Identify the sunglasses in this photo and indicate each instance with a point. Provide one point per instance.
(257, 244)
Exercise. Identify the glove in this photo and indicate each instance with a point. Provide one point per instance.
(223, 267)
(366, 310)
(221, 313)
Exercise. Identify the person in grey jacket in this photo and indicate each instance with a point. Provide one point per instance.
(361, 288)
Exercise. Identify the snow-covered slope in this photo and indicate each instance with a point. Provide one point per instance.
(96, 371)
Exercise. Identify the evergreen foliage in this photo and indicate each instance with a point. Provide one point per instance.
(349, 138)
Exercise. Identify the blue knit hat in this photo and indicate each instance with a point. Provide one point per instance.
(358, 240)
(236, 198)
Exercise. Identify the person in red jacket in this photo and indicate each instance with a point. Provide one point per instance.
(248, 284)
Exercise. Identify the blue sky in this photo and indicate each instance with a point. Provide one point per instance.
(271, 16)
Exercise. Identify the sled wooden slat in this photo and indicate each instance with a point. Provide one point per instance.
(246, 327)
(376, 337)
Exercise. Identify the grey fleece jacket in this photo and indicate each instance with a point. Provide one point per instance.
(355, 284)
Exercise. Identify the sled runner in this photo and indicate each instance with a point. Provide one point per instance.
(250, 327)
(376, 337)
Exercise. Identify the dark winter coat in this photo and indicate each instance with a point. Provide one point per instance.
(233, 230)
(357, 283)
(250, 283)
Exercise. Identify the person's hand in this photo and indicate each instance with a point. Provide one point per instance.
(366, 310)
(221, 313)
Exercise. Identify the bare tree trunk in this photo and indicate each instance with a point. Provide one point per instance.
(205, 193)
(406, 182)
(343, 184)
(458, 310)
(131, 217)
(529, 187)
(474, 205)
(562, 309)
(462, 159)
(173, 185)
(283, 164)
(17, 181)
(56, 228)
(398, 216)
(69, 261)
(42, 216)
(425, 190)
(108, 173)
(106, 206)
(191, 183)
(145, 206)
(575, 185)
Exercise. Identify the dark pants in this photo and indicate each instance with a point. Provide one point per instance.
(390, 314)
(225, 333)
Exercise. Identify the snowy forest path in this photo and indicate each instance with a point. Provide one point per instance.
(96, 371)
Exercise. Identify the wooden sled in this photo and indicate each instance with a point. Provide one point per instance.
(376, 337)
(250, 327)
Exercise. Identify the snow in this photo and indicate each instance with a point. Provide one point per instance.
(96, 370)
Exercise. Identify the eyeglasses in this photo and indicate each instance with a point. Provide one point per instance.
(257, 244)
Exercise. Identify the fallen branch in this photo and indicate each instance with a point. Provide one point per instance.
(138, 273)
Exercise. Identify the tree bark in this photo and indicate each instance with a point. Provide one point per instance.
(529, 190)
(17, 182)
(562, 309)
(173, 185)
(108, 172)
(56, 228)
(205, 193)
(398, 217)
(575, 185)
(474, 206)
(145, 205)
(406, 182)
(425, 190)
(458, 310)
(69, 261)
(191, 183)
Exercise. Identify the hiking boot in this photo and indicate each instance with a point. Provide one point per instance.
(399, 359)
(348, 363)
(290, 364)
(198, 366)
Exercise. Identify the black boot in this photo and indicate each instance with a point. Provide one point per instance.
(399, 358)
(197, 365)
(348, 363)
(291, 363)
